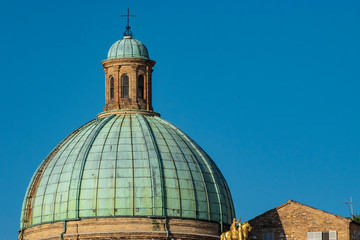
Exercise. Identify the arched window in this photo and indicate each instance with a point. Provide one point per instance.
(125, 86)
(140, 89)
(111, 88)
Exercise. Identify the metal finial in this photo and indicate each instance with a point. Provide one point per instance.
(128, 31)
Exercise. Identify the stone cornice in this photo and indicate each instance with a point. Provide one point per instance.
(127, 112)
(127, 61)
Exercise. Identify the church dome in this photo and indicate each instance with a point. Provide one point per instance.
(128, 174)
(130, 165)
(128, 48)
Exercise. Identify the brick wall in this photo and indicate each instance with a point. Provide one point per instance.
(294, 220)
(355, 231)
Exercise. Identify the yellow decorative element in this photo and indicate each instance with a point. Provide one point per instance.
(240, 232)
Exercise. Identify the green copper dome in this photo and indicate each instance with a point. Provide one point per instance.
(127, 166)
(128, 48)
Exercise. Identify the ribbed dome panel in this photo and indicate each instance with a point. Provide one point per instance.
(128, 48)
(127, 165)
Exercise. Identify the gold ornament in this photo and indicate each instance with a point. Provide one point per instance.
(238, 231)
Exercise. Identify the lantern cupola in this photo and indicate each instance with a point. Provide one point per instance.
(128, 77)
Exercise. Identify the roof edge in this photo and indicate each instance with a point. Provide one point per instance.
(295, 202)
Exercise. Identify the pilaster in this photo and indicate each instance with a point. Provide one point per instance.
(133, 68)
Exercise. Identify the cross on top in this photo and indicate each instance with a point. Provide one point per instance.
(128, 32)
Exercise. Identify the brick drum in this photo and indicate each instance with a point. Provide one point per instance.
(133, 68)
(125, 228)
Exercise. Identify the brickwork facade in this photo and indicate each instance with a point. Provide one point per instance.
(293, 221)
(354, 231)
(136, 96)
(125, 228)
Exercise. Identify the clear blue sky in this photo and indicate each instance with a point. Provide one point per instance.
(270, 89)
